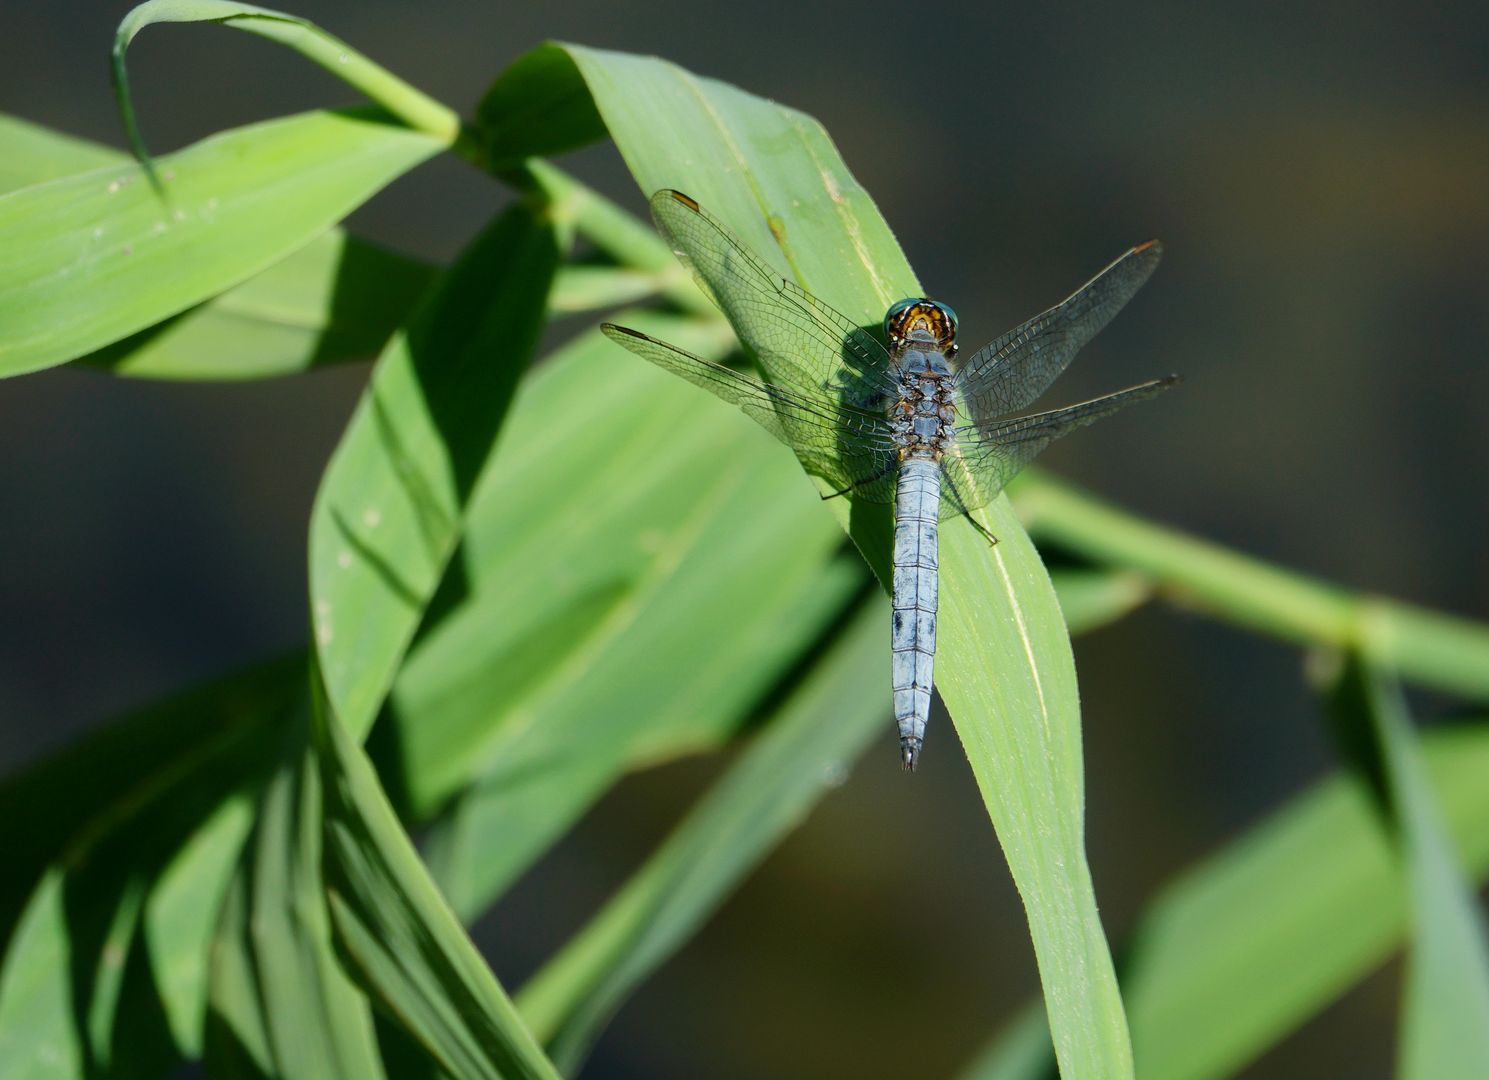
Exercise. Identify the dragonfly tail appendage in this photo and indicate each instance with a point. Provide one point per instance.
(917, 504)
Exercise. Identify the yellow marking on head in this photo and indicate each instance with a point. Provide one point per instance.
(925, 315)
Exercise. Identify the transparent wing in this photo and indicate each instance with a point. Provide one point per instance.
(987, 456)
(850, 448)
(802, 342)
(1008, 374)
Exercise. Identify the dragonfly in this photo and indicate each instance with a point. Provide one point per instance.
(901, 420)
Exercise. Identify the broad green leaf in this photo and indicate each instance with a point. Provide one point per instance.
(400, 936)
(138, 828)
(280, 1004)
(1445, 1002)
(1005, 669)
(1248, 944)
(32, 154)
(337, 298)
(94, 257)
(392, 503)
(806, 749)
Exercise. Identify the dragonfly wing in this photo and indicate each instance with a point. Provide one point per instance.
(802, 341)
(850, 448)
(987, 456)
(1008, 374)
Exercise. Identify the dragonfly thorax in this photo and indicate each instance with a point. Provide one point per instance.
(923, 358)
(923, 416)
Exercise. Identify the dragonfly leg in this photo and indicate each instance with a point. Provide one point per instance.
(880, 475)
(957, 501)
(989, 537)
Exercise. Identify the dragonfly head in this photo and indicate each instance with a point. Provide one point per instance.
(918, 315)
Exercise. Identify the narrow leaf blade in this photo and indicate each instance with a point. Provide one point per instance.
(1445, 1002)
(392, 503)
(406, 944)
(281, 1005)
(94, 257)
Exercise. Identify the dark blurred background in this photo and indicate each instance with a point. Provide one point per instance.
(1320, 175)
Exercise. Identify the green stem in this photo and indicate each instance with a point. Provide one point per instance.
(408, 103)
(1427, 647)
(613, 230)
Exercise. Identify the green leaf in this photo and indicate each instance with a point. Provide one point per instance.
(402, 938)
(84, 791)
(32, 154)
(1445, 1004)
(281, 1005)
(336, 299)
(97, 256)
(1005, 669)
(129, 839)
(1249, 943)
(805, 750)
(392, 503)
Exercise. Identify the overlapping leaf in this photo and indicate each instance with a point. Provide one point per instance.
(120, 849)
(281, 1006)
(400, 935)
(392, 503)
